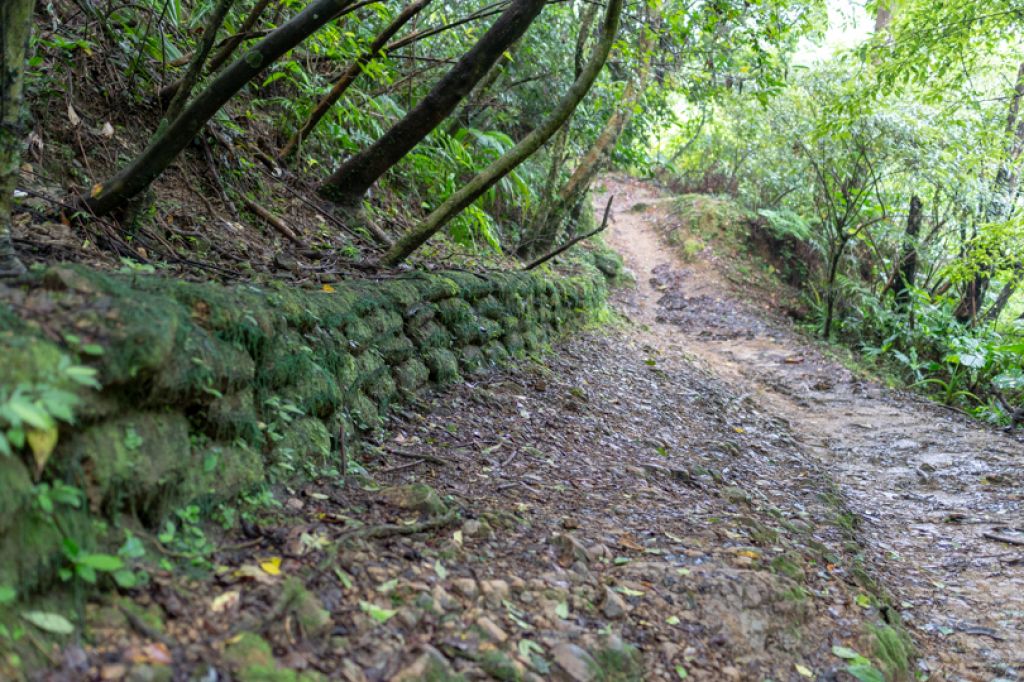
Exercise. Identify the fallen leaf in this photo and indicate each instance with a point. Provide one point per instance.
(628, 541)
(107, 130)
(271, 566)
(73, 116)
(672, 620)
(225, 601)
(803, 670)
(327, 288)
(49, 622)
(256, 573)
(153, 653)
(379, 614)
(562, 610)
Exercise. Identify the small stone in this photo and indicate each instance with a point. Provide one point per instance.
(417, 497)
(114, 671)
(614, 606)
(569, 549)
(491, 630)
(466, 587)
(149, 673)
(426, 667)
(735, 495)
(574, 662)
(495, 591)
(443, 599)
(471, 528)
(294, 503)
(351, 672)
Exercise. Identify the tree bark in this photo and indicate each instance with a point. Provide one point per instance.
(907, 271)
(487, 178)
(15, 28)
(348, 184)
(1005, 294)
(349, 76)
(172, 138)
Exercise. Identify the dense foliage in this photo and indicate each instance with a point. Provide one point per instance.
(898, 164)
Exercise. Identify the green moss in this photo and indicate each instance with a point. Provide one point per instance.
(496, 353)
(364, 412)
(303, 440)
(500, 666)
(412, 374)
(384, 322)
(443, 365)
(431, 335)
(248, 649)
(892, 648)
(16, 484)
(454, 310)
(472, 359)
(618, 662)
(396, 349)
(234, 416)
(220, 473)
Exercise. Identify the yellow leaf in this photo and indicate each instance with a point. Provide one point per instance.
(225, 601)
(739, 429)
(42, 442)
(328, 288)
(96, 189)
(749, 553)
(272, 565)
(803, 670)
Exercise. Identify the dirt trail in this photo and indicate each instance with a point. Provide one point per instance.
(939, 494)
(652, 503)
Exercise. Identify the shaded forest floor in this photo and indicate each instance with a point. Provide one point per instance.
(696, 492)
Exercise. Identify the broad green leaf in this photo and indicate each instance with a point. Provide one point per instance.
(49, 622)
(381, 615)
(101, 562)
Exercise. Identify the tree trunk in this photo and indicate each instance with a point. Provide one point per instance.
(172, 138)
(195, 67)
(15, 27)
(168, 92)
(349, 183)
(1005, 294)
(907, 271)
(349, 76)
(487, 178)
(1003, 190)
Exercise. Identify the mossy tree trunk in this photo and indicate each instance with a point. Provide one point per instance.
(544, 233)
(488, 177)
(347, 185)
(349, 76)
(15, 27)
(173, 137)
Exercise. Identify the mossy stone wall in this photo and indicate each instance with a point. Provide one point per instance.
(207, 387)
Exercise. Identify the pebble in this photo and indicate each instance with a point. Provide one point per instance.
(574, 662)
(491, 630)
(614, 606)
(466, 587)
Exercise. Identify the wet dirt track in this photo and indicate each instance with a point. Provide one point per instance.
(940, 496)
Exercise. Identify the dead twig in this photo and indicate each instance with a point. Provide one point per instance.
(575, 240)
(417, 455)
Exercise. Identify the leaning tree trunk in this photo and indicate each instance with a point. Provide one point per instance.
(907, 272)
(172, 138)
(545, 232)
(501, 167)
(15, 27)
(347, 185)
(195, 67)
(1005, 294)
(219, 57)
(349, 76)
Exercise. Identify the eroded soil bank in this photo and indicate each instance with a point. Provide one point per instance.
(654, 501)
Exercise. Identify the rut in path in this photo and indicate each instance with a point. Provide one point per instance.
(940, 495)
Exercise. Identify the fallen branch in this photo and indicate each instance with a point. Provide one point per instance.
(572, 242)
(273, 220)
(416, 455)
